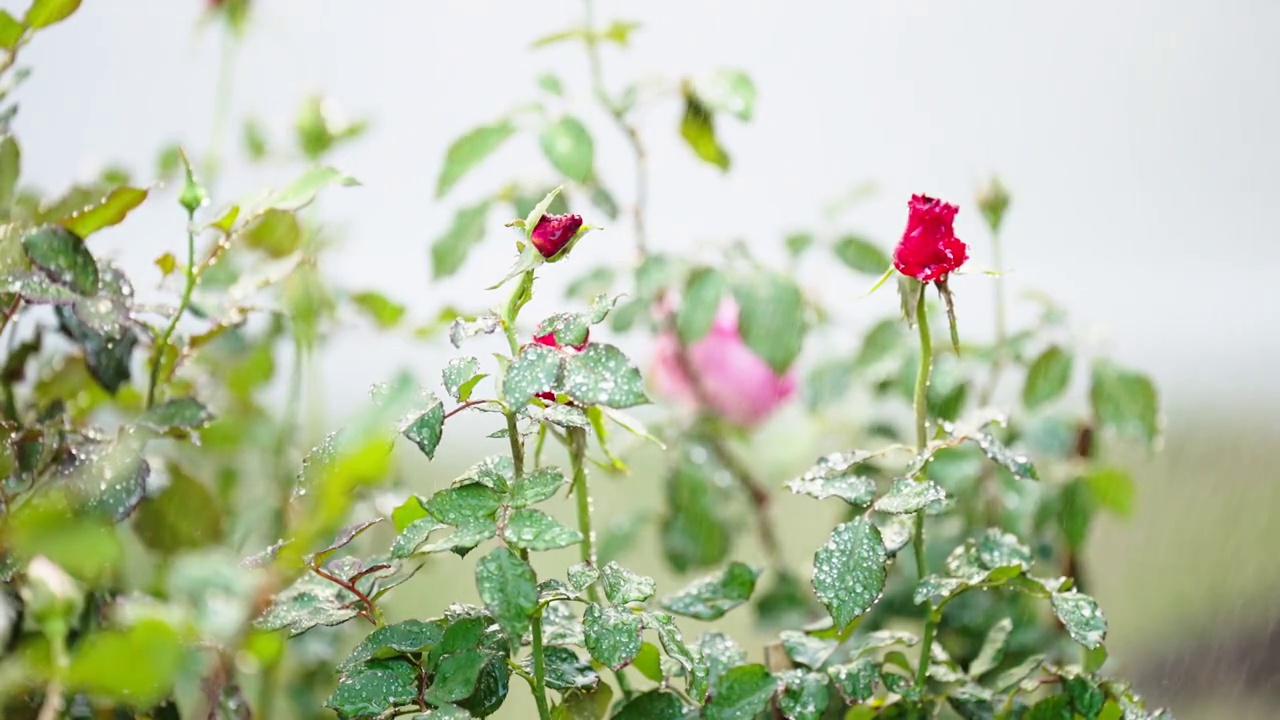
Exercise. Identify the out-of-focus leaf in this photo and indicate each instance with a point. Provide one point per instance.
(385, 312)
(136, 665)
(697, 127)
(184, 515)
(43, 13)
(303, 190)
(694, 530)
(469, 151)
(567, 144)
(10, 33)
(699, 305)
(861, 254)
(1047, 377)
(10, 157)
(62, 256)
(111, 210)
(449, 251)
(275, 232)
(175, 415)
(1125, 401)
(771, 317)
(728, 90)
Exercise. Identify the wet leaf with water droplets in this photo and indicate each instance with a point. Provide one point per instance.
(714, 595)
(176, 415)
(856, 681)
(308, 602)
(539, 485)
(535, 370)
(463, 504)
(1086, 697)
(565, 416)
(106, 357)
(719, 653)
(106, 480)
(653, 705)
(495, 472)
(612, 635)
(427, 429)
(908, 496)
(1081, 617)
(602, 375)
(936, 590)
(622, 586)
(372, 688)
(531, 529)
(806, 650)
(673, 644)
(565, 670)
(461, 329)
(413, 536)
(1015, 675)
(509, 589)
(456, 676)
(833, 476)
(849, 570)
(581, 575)
(410, 636)
(458, 372)
(895, 532)
(740, 693)
(993, 550)
(465, 537)
(804, 696)
(62, 256)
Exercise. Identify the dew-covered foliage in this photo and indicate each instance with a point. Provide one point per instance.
(176, 544)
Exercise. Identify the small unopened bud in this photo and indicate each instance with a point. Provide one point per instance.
(554, 233)
(193, 193)
(993, 200)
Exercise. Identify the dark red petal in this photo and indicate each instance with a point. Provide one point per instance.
(553, 232)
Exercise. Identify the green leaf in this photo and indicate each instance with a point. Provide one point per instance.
(10, 157)
(1010, 678)
(1054, 707)
(828, 382)
(565, 670)
(456, 676)
(697, 127)
(531, 529)
(276, 233)
(594, 282)
(653, 705)
(44, 13)
(495, 472)
(1086, 697)
(804, 696)
(700, 304)
(807, 650)
(374, 687)
(995, 549)
(674, 645)
(785, 604)
(720, 654)
(1048, 376)
(62, 256)
(1112, 488)
(861, 254)
(694, 531)
(385, 312)
(582, 575)
(550, 83)
(856, 681)
(730, 91)
(460, 329)
(10, 33)
(180, 414)
(469, 151)
(509, 590)
(465, 537)
(937, 590)
(649, 662)
(463, 504)
(612, 635)
(535, 370)
(426, 430)
(310, 601)
(601, 375)
(1081, 617)
(880, 342)
(111, 210)
(798, 242)
(410, 636)
(622, 586)
(457, 373)
(740, 693)
(407, 512)
(415, 533)
(567, 145)
(537, 486)
(771, 317)
(849, 570)
(449, 251)
(303, 190)
(992, 650)
(1125, 402)
(1075, 512)
(711, 597)
(908, 496)
(184, 515)
(137, 665)
(833, 476)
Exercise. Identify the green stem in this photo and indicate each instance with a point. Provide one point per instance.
(539, 670)
(221, 106)
(578, 461)
(163, 343)
(922, 441)
(517, 447)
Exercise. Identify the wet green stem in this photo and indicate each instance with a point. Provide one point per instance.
(539, 669)
(922, 441)
(163, 343)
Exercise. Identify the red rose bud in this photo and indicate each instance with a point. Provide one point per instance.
(929, 249)
(553, 233)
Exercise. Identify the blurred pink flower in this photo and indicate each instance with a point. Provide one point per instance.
(736, 383)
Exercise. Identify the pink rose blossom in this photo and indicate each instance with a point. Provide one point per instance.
(737, 384)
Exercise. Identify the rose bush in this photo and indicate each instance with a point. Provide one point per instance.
(174, 545)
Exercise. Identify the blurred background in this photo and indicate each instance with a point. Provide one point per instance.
(1137, 139)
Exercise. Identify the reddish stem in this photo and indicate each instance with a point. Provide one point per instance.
(350, 587)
